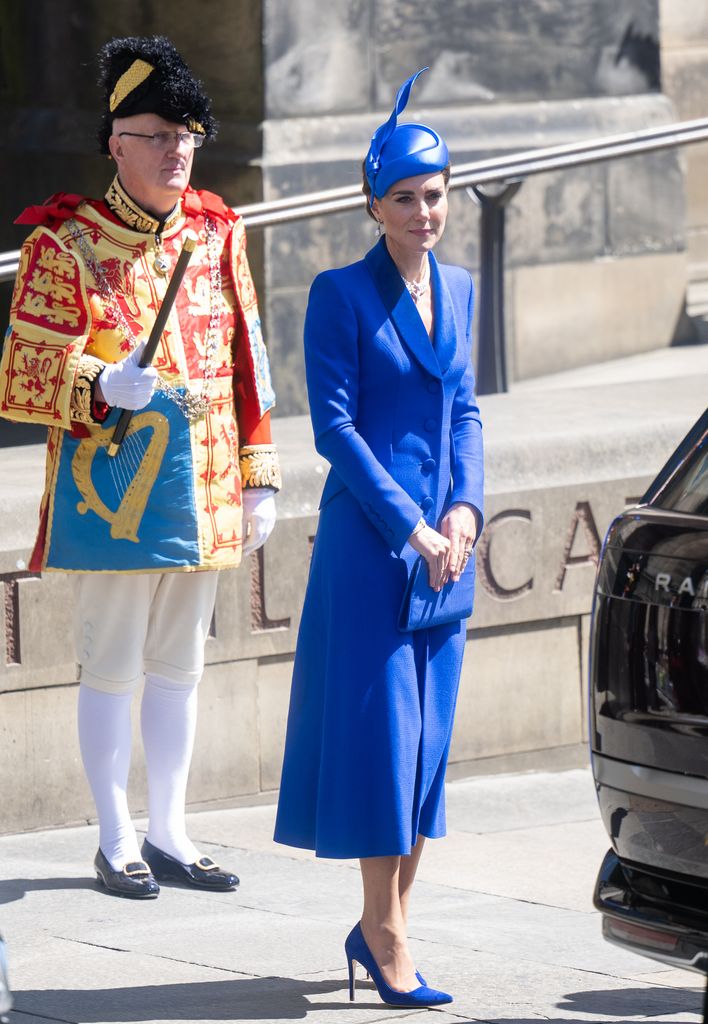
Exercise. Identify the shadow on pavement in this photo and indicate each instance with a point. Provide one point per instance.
(651, 1001)
(280, 999)
(622, 1006)
(12, 889)
(264, 999)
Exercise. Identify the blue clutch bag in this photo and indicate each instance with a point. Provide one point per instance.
(423, 607)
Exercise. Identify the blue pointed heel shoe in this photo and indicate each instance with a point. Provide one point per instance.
(418, 975)
(357, 951)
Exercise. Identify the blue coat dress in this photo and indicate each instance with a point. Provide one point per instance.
(371, 708)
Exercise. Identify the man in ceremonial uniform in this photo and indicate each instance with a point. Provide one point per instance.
(190, 489)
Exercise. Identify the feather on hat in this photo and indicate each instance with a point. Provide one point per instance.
(402, 150)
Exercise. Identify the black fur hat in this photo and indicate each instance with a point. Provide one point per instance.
(146, 75)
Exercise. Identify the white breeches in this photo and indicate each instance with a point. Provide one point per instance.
(126, 625)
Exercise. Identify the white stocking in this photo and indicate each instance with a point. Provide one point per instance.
(105, 741)
(169, 720)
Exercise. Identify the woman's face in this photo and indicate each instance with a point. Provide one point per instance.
(413, 212)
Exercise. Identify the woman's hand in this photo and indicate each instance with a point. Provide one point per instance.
(460, 527)
(435, 549)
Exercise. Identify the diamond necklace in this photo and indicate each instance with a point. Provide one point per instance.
(417, 289)
(193, 407)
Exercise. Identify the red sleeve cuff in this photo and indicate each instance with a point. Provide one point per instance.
(261, 433)
(100, 410)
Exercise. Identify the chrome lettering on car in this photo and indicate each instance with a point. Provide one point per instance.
(664, 580)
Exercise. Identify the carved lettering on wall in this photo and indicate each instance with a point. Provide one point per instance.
(484, 556)
(584, 520)
(259, 617)
(508, 570)
(11, 607)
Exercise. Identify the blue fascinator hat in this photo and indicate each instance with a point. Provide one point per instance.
(402, 150)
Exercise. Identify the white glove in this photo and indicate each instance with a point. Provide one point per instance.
(125, 384)
(258, 516)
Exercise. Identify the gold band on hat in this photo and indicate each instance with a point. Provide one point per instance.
(129, 80)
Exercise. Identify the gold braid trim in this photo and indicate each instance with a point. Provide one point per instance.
(129, 80)
(84, 384)
(259, 466)
(133, 215)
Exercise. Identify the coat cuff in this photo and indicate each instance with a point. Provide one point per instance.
(84, 407)
(260, 466)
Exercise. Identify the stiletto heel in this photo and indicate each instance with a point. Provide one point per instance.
(352, 978)
(356, 949)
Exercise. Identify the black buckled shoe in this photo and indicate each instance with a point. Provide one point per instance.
(134, 880)
(203, 874)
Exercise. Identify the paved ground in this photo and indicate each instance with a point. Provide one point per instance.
(502, 918)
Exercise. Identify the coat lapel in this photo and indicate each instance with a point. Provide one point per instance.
(401, 308)
(443, 318)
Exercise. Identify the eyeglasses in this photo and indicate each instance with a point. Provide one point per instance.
(163, 140)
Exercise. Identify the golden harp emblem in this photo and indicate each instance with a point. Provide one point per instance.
(133, 473)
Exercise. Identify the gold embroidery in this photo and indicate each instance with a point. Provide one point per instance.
(133, 215)
(127, 517)
(259, 466)
(45, 294)
(36, 306)
(43, 283)
(129, 80)
(62, 264)
(82, 395)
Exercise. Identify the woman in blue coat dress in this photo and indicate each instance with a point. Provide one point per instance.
(391, 390)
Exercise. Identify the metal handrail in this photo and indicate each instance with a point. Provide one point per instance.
(480, 172)
(495, 169)
(8, 264)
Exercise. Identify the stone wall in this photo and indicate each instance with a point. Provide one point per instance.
(350, 56)
(560, 465)
(584, 247)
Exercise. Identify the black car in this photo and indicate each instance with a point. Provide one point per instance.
(649, 714)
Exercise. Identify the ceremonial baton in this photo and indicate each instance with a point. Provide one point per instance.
(156, 333)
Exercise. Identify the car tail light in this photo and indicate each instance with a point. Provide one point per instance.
(650, 938)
